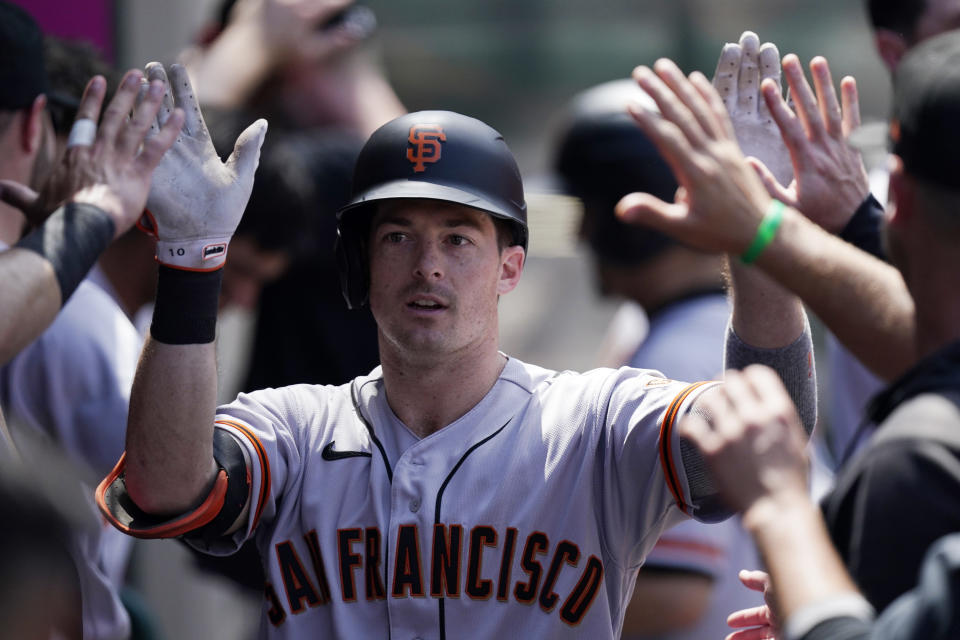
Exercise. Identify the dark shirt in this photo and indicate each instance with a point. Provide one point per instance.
(928, 612)
(902, 492)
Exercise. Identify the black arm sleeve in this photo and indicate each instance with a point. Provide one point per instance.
(863, 229)
(72, 239)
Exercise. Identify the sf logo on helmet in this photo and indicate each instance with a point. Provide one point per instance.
(426, 139)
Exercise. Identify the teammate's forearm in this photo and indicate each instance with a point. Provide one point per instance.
(861, 299)
(170, 462)
(764, 314)
(803, 565)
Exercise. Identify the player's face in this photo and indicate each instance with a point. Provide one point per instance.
(436, 272)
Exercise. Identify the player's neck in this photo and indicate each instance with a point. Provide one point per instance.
(427, 396)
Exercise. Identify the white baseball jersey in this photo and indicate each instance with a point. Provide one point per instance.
(528, 517)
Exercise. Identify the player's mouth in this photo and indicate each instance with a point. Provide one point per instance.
(426, 303)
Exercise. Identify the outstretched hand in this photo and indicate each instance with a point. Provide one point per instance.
(741, 70)
(755, 623)
(831, 180)
(197, 200)
(721, 200)
(112, 169)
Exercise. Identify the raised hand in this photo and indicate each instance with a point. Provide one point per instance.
(197, 200)
(831, 180)
(741, 70)
(721, 200)
(109, 165)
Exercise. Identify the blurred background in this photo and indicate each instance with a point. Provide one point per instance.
(513, 64)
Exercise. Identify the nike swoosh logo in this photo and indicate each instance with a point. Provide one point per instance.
(329, 453)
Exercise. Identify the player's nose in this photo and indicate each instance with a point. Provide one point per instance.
(428, 261)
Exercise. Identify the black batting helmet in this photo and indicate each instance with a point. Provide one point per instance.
(436, 155)
(602, 155)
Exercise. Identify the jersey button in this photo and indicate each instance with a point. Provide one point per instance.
(415, 505)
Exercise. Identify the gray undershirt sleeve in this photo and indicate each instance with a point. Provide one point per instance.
(794, 364)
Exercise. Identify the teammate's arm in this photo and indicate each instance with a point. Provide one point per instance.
(720, 206)
(196, 203)
(102, 185)
(754, 447)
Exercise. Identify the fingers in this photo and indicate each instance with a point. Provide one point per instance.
(829, 107)
(757, 633)
(132, 134)
(155, 71)
(726, 75)
(748, 80)
(690, 96)
(769, 70)
(696, 429)
(18, 196)
(791, 129)
(806, 104)
(772, 185)
(92, 99)
(643, 208)
(246, 151)
(116, 113)
(670, 104)
(851, 105)
(156, 145)
(186, 99)
(754, 580)
(666, 136)
(742, 397)
(749, 617)
(714, 102)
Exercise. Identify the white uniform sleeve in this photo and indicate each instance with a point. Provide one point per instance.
(643, 484)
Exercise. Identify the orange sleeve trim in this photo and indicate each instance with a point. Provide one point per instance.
(666, 444)
(178, 526)
(264, 466)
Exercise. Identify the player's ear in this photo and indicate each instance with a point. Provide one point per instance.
(30, 132)
(900, 192)
(891, 46)
(511, 266)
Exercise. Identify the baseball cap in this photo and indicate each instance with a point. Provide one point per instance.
(925, 126)
(22, 73)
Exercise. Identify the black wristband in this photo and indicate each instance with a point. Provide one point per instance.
(72, 239)
(863, 230)
(186, 308)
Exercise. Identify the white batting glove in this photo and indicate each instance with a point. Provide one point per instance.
(740, 70)
(196, 201)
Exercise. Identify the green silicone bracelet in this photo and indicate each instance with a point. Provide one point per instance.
(765, 232)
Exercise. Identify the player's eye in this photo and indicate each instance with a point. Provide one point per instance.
(394, 236)
(457, 240)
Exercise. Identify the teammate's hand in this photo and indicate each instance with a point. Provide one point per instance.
(741, 69)
(755, 623)
(284, 28)
(196, 200)
(721, 200)
(753, 442)
(111, 168)
(831, 180)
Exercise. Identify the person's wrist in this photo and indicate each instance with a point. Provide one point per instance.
(771, 510)
(766, 231)
(102, 197)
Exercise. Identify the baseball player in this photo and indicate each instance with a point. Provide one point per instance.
(454, 491)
